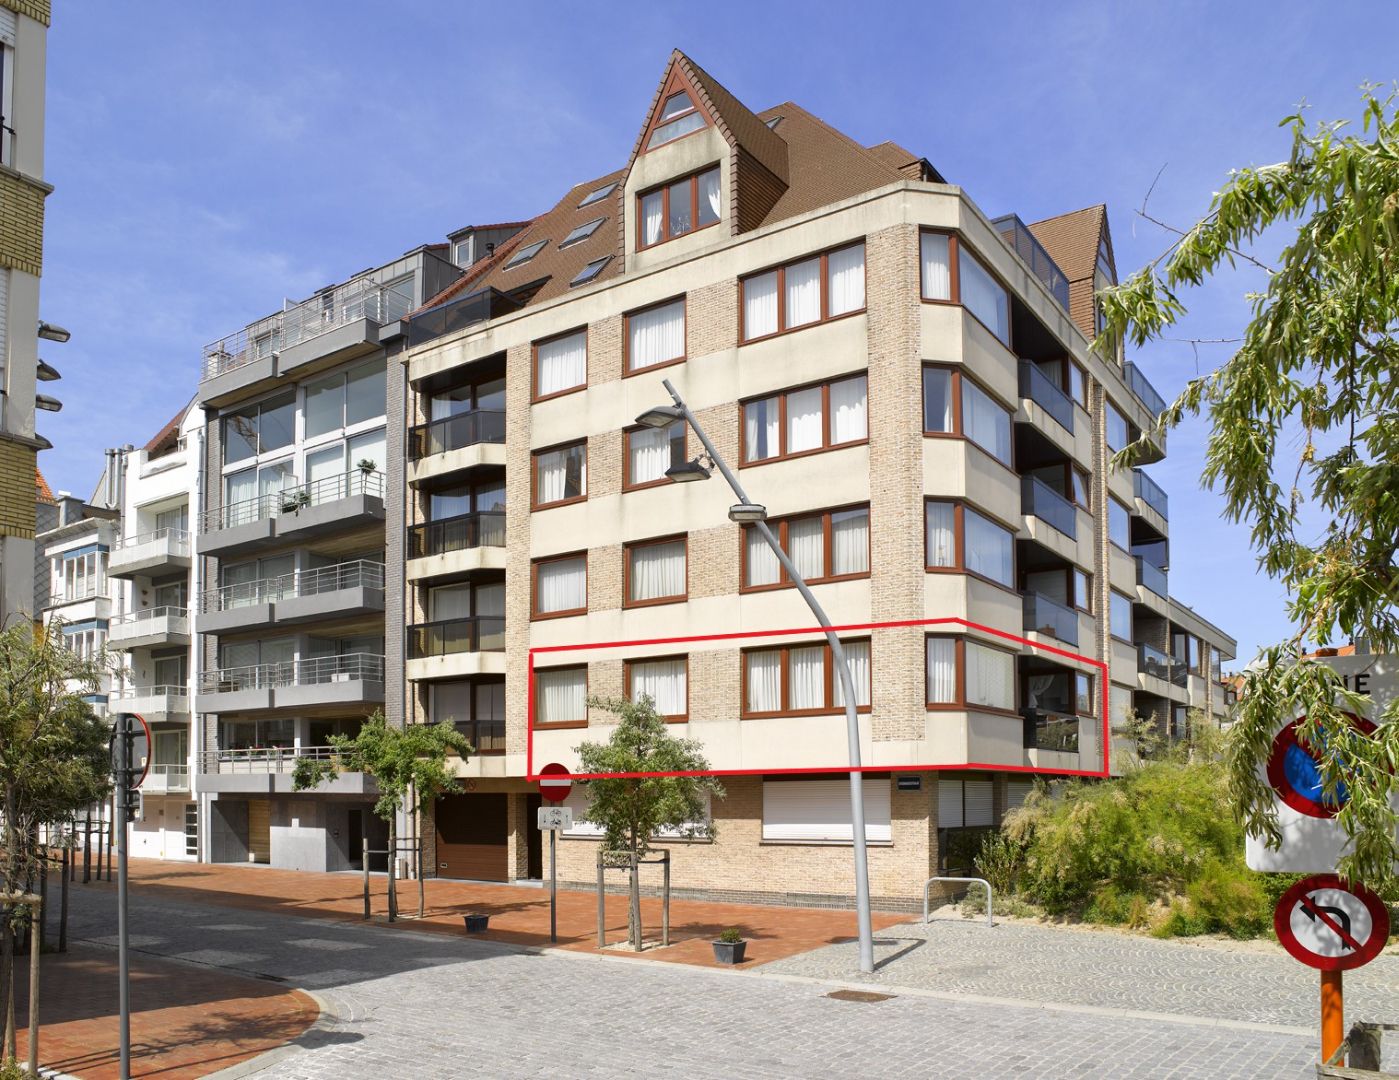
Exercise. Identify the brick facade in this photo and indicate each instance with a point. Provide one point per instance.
(22, 222)
(38, 10)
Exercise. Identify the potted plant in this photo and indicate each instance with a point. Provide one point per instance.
(366, 465)
(292, 501)
(476, 924)
(729, 947)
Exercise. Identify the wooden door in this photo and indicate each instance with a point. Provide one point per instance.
(259, 832)
(471, 837)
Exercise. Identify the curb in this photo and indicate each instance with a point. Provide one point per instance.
(326, 1021)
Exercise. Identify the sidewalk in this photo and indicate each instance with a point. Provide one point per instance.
(519, 914)
(186, 1021)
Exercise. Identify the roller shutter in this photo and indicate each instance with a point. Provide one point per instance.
(819, 810)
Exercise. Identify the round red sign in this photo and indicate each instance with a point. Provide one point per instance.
(1330, 924)
(555, 782)
(1293, 772)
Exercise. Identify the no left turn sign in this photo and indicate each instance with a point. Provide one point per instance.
(1331, 925)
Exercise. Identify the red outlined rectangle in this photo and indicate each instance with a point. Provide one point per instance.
(1100, 665)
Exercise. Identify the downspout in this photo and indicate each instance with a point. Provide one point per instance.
(196, 517)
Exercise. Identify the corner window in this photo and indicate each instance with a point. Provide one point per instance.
(802, 421)
(811, 290)
(649, 452)
(800, 679)
(954, 404)
(1114, 428)
(560, 475)
(560, 585)
(260, 429)
(958, 538)
(560, 364)
(656, 571)
(1119, 525)
(951, 273)
(656, 335)
(829, 546)
(665, 681)
(961, 673)
(678, 208)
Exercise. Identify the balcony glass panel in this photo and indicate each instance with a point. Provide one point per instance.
(456, 432)
(1150, 492)
(1151, 577)
(1050, 731)
(446, 637)
(485, 528)
(1046, 616)
(1036, 385)
(1015, 233)
(1040, 500)
(1142, 388)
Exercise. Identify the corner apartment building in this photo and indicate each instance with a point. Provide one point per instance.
(905, 384)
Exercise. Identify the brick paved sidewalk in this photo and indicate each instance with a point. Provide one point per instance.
(186, 1021)
(519, 914)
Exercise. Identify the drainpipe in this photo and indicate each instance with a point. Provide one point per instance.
(196, 516)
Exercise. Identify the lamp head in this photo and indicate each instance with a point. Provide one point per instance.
(659, 417)
(51, 332)
(747, 513)
(689, 471)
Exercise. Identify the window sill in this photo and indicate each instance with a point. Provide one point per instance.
(974, 317)
(558, 502)
(971, 574)
(562, 725)
(535, 399)
(796, 329)
(839, 710)
(779, 586)
(804, 453)
(640, 246)
(539, 616)
(646, 485)
(628, 371)
(659, 601)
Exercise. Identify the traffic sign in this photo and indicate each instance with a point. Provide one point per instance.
(555, 782)
(139, 739)
(555, 818)
(1330, 924)
(1293, 772)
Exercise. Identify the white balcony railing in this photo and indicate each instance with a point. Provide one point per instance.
(360, 574)
(353, 667)
(177, 541)
(166, 778)
(261, 759)
(294, 497)
(163, 697)
(157, 620)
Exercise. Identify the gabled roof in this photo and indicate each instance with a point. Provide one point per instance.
(43, 493)
(767, 147)
(1072, 242)
(169, 434)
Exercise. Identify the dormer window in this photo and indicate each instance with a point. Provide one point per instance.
(678, 208)
(525, 254)
(581, 233)
(678, 118)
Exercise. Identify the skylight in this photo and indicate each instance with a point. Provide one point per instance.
(525, 254)
(678, 117)
(592, 270)
(581, 233)
(599, 193)
(772, 124)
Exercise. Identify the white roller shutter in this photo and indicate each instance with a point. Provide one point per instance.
(7, 27)
(978, 802)
(578, 799)
(949, 804)
(1016, 790)
(819, 810)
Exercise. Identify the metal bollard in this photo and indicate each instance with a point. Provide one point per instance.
(927, 886)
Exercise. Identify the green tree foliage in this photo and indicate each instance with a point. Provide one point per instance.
(1315, 367)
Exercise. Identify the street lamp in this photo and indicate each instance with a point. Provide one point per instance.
(53, 332)
(747, 512)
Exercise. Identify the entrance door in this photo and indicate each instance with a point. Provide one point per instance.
(259, 832)
(354, 838)
(471, 837)
(535, 846)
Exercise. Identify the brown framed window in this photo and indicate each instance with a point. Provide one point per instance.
(809, 419)
(1119, 524)
(655, 336)
(676, 118)
(560, 365)
(965, 674)
(679, 208)
(665, 680)
(955, 404)
(656, 571)
(800, 680)
(1078, 382)
(952, 274)
(648, 452)
(817, 288)
(561, 697)
(959, 539)
(559, 475)
(1081, 589)
(559, 586)
(1120, 616)
(832, 545)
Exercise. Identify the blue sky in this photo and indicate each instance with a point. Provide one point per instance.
(211, 159)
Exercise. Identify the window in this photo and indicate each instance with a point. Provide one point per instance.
(1078, 384)
(475, 707)
(463, 253)
(656, 571)
(656, 336)
(345, 399)
(818, 811)
(86, 640)
(959, 538)
(560, 364)
(525, 254)
(967, 804)
(1082, 590)
(816, 288)
(598, 194)
(1085, 702)
(803, 421)
(954, 404)
(561, 697)
(962, 673)
(953, 274)
(1120, 706)
(560, 475)
(581, 232)
(560, 585)
(1078, 486)
(1120, 616)
(592, 270)
(796, 679)
(828, 546)
(260, 429)
(664, 681)
(649, 452)
(80, 573)
(1115, 428)
(1119, 524)
(679, 208)
(678, 117)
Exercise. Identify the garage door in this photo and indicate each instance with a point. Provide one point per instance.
(471, 834)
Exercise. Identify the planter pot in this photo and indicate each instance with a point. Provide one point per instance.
(476, 924)
(729, 952)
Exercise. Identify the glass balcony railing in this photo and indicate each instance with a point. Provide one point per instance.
(477, 633)
(486, 735)
(1036, 385)
(1050, 731)
(1150, 492)
(1040, 500)
(1022, 241)
(1142, 388)
(1046, 616)
(312, 671)
(456, 432)
(1151, 577)
(459, 313)
(261, 759)
(1152, 661)
(484, 528)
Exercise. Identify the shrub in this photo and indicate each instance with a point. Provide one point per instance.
(731, 936)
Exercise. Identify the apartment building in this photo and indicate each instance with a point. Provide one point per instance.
(23, 44)
(902, 381)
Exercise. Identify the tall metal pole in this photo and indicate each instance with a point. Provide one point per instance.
(124, 737)
(847, 687)
(553, 886)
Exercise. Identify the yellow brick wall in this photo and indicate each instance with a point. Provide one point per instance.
(38, 10)
(16, 490)
(21, 224)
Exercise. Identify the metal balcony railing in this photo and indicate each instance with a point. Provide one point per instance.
(160, 690)
(360, 574)
(1040, 500)
(360, 299)
(261, 759)
(1142, 388)
(1037, 386)
(178, 540)
(1150, 492)
(1046, 616)
(1022, 241)
(1151, 577)
(133, 621)
(313, 671)
(1050, 731)
(456, 432)
(290, 499)
(476, 633)
(484, 528)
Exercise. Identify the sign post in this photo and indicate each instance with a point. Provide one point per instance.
(130, 753)
(554, 785)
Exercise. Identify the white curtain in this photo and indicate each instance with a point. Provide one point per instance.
(763, 567)
(806, 677)
(325, 472)
(760, 305)
(982, 295)
(942, 670)
(709, 197)
(664, 682)
(760, 429)
(450, 602)
(650, 454)
(563, 474)
(985, 422)
(804, 420)
(652, 213)
(764, 671)
(563, 363)
(989, 548)
(806, 547)
(849, 410)
(845, 271)
(990, 677)
(1036, 685)
(656, 335)
(658, 570)
(562, 585)
(239, 487)
(940, 525)
(850, 542)
(937, 267)
(803, 292)
(857, 658)
(561, 696)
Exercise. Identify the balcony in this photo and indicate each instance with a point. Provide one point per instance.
(1022, 241)
(149, 626)
(1159, 665)
(1050, 731)
(155, 703)
(1038, 499)
(353, 679)
(457, 432)
(351, 588)
(1151, 577)
(1149, 492)
(1138, 383)
(269, 769)
(1036, 386)
(484, 528)
(153, 553)
(1046, 616)
(330, 504)
(457, 314)
(456, 648)
(161, 779)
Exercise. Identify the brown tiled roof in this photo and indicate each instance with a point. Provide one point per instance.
(43, 492)
(168, 434)
(767, 147)
(474, 273)
(1072, 242)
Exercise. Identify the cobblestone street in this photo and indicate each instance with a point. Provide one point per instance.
(429, 1005)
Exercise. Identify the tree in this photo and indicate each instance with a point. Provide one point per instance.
(405, 761)
(1318, 359)
(632, 808)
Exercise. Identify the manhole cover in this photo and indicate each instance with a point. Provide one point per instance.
(858, 995)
